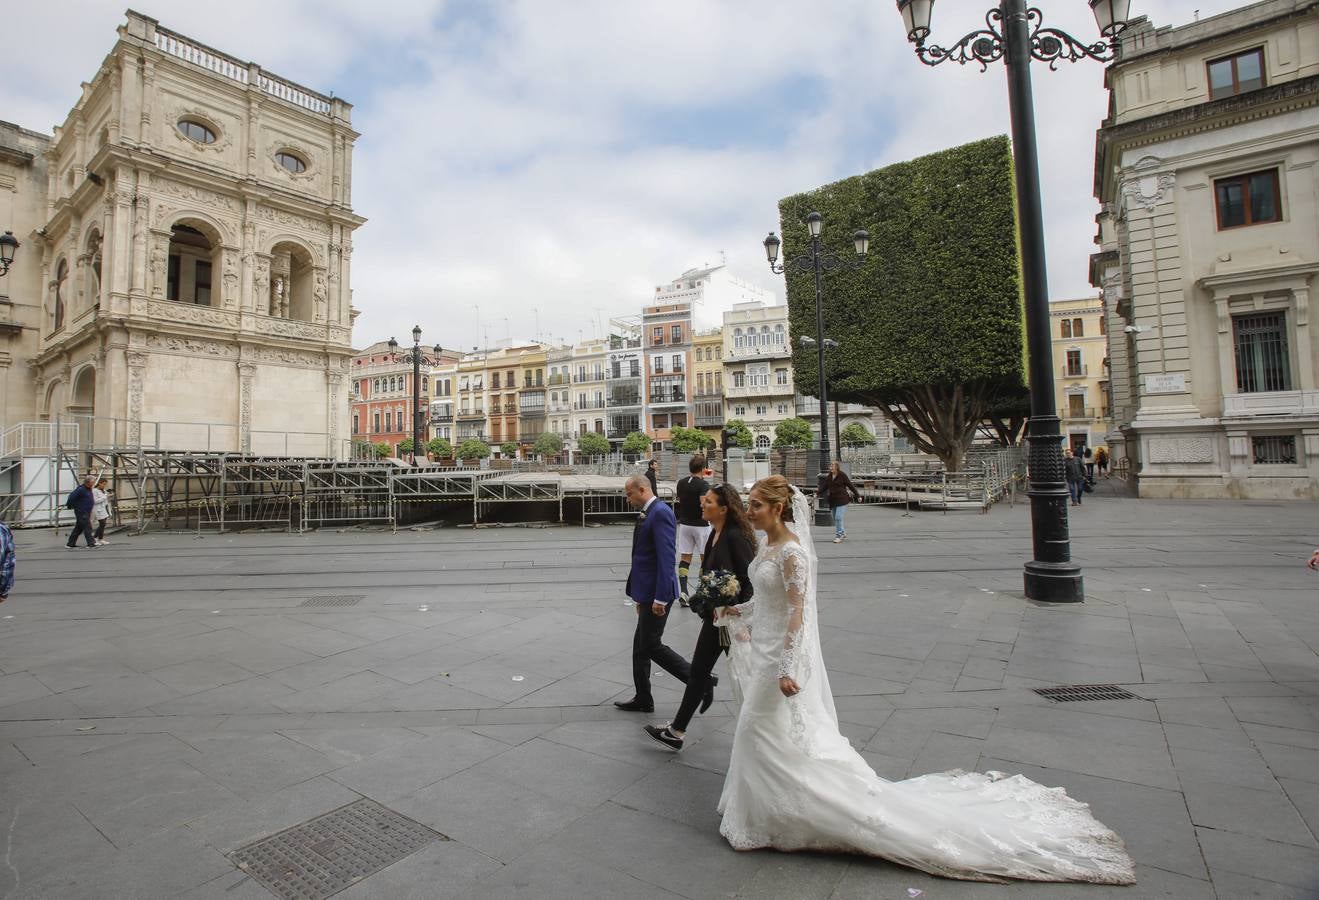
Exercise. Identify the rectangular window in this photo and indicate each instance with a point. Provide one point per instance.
(201, 282)
(1236, 74)
(1066, 326)
(1260, 341)
(1273, 449)
(389, 421)
(677, 362)
(675, 334)
(634, 370)
(657, 335)
(739, 379)
(1078, 328)
(172, 278)
(354, 423)
(377, 424)
(1248, 199)
(657, 365)
(1074, 367)
(1075, 405)
(494, 381)
(781, 375)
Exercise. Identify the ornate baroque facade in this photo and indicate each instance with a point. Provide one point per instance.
(1207, 170)
(195, 254)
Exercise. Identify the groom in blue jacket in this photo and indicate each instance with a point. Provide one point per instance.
(653, 586)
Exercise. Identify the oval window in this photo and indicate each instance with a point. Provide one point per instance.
(290, 161)
(196, 131)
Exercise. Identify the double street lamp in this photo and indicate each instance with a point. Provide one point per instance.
(819, 261)
(416, 356)
(1016, 34)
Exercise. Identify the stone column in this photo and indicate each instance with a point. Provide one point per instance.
(148, 90)
(333, 391)
(1304, 354)
(246, 377)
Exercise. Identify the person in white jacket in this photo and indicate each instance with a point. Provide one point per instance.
(101, 509)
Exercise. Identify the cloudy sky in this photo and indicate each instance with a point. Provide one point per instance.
(543, 164)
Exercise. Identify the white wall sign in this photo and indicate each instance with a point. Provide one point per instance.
(1165, 384)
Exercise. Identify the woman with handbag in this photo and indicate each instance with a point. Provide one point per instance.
(730, 548)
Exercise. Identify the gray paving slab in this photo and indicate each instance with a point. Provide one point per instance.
(217, 711)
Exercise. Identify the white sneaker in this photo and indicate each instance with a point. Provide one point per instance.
(838, 540)
(102, 541)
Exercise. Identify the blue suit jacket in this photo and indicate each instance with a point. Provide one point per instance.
(654, 554)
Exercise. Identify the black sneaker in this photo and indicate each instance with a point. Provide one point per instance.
(665, 737)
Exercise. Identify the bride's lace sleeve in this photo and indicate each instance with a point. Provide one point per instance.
(796, 579)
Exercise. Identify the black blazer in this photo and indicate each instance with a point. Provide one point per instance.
(733, 554)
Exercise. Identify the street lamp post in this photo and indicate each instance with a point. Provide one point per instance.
(829, 344)
(819, 261)
(1016, 34)
(8, 244)
(415, 356)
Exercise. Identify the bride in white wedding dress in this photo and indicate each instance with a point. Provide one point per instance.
(795, 783)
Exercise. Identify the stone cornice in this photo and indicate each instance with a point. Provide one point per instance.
(1272, 100)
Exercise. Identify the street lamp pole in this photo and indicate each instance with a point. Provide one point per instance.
(819, 261)
(8, 245)
(415, 356)
(1016, 34)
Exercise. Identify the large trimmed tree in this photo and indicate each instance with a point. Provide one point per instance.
(592, 444)
(931, 328)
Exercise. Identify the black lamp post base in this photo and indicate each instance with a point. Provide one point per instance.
(824, 516)
(1054, 582)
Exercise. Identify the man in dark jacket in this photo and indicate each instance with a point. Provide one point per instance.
(1074, 472)
(693, 531)
(81, 501)
(839, 489)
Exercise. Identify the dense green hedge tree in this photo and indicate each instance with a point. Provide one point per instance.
(473, 448)
(739, 434)
(548, 444)
(688, 440)
(509, 449)
(857, 435)
(439, 448)
(931, 327)
(793, 434)
(593, 444)
(636, 443)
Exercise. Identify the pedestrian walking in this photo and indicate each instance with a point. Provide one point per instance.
(82, 502)
(693, 530)
(1089, 464)
(839, 488)
(101, 508)
(1101, 462)
(1074, 472)
(7, 561)
(652, 475)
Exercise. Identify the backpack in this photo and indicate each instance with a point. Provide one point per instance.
(68, 504)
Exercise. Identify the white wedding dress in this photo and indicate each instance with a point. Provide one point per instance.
(795, 783)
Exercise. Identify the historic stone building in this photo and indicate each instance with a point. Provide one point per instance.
(1080, 365)
(758, 379)
(1207, 170)
(194, 255)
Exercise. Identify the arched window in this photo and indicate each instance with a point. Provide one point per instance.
(737, 337)
(764, 335)
(291, 161)
(762, 442)
(425, 384)
(61, 276)
(1066, 326)
(780, 334)
(196, 131)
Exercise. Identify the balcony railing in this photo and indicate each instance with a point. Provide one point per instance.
(588, 404)
(666, 398)
(589, 377)
(623, 400)
(478, 413)
(761, 390)
(559, 379)
(709, 421)
(1080, 412)
(532, 412)
(1081, 371)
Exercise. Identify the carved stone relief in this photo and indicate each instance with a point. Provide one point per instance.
(1181, 450)
(190, 346)
(292, 219)
(192, 314)
(1147, 191)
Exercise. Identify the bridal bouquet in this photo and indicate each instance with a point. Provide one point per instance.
(715, 589)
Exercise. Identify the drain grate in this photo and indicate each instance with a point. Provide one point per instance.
(1068, 693)
(345, 600)
(331, 852)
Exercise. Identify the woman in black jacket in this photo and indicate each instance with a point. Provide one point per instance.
(730, 547)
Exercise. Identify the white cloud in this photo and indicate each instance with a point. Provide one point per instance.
(525, 155)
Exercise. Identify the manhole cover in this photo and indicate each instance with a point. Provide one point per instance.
(327, 854)
(346, 600)
(1068, 693)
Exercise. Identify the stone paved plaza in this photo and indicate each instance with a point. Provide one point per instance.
(168, 699)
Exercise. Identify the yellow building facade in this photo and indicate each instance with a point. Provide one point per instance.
(1080, 374)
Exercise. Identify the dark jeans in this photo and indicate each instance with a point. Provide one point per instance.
(1075, 488)
(648, 645)
(82, 526)
(704, 657)
(100, 527)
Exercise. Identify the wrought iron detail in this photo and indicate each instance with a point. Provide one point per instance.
(988, 44)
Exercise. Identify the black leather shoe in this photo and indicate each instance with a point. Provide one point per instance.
(664, 736)
(708, 699)
(635, 705)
